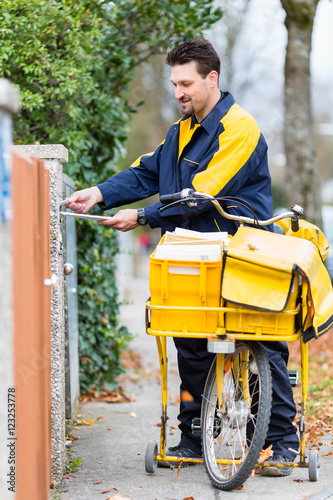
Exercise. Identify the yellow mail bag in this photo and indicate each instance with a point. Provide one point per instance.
(273, 273)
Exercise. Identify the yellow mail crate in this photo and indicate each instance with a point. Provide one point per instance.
(192, 282)
(247, 320)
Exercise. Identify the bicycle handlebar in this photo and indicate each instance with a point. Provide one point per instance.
(189, 196)
(170, 198)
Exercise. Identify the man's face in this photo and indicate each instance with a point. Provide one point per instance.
(192, 90)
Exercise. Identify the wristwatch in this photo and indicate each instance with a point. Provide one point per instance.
(142, 219)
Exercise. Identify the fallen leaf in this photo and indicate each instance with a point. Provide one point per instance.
(100, 418)
(98, 482)
(265, 454)
(179, 467)
(84, 422)
(298, 480)
(187, 396)
(131, 359)
(72, 438)
(108, 489)
(328, 454)
(252, 247)
(118, 496)
(65, 476)
(107, 396)
(188, 498)
(240, 487)
(256, 470)
(109, 428)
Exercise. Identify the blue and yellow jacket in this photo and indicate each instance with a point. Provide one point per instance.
(225, 154)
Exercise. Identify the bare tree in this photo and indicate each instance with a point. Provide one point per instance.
(302, 174)
(225, 35)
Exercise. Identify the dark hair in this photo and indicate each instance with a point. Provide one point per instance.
(195, 49)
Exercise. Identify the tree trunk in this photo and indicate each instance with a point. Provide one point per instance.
(302, 175)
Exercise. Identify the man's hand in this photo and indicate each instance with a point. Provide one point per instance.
(124, 220)
(82, 201)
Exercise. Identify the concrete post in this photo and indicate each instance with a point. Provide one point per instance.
(54, 156)
(9, 103)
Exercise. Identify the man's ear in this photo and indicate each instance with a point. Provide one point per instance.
(213, 78)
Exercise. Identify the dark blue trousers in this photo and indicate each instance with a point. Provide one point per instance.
(194, 362)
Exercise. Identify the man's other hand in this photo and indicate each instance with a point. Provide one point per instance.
(124, 220)
(82, 201)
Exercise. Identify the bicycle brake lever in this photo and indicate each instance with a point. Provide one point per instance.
(174, 204)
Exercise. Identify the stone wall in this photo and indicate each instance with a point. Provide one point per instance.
(54, 156)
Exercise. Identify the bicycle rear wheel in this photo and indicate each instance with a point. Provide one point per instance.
(234, 430)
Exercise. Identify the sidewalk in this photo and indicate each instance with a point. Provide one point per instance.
(113, 449)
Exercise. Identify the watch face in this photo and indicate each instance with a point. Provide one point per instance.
(142, 221)
(141, 217)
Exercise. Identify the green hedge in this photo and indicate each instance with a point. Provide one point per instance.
(72, 62)
(101, 338)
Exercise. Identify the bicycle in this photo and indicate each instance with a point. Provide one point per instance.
(236, 402)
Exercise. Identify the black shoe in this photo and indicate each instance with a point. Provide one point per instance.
(180, 452)
(275, 470)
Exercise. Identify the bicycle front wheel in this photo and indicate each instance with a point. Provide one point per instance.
(234, 425)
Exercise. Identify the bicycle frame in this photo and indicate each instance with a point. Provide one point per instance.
(223, 341)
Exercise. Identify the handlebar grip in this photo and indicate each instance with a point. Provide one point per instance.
(169, 198)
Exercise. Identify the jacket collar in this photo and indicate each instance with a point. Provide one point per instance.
(216, 114)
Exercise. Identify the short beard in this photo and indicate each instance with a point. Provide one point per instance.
(191, 111)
